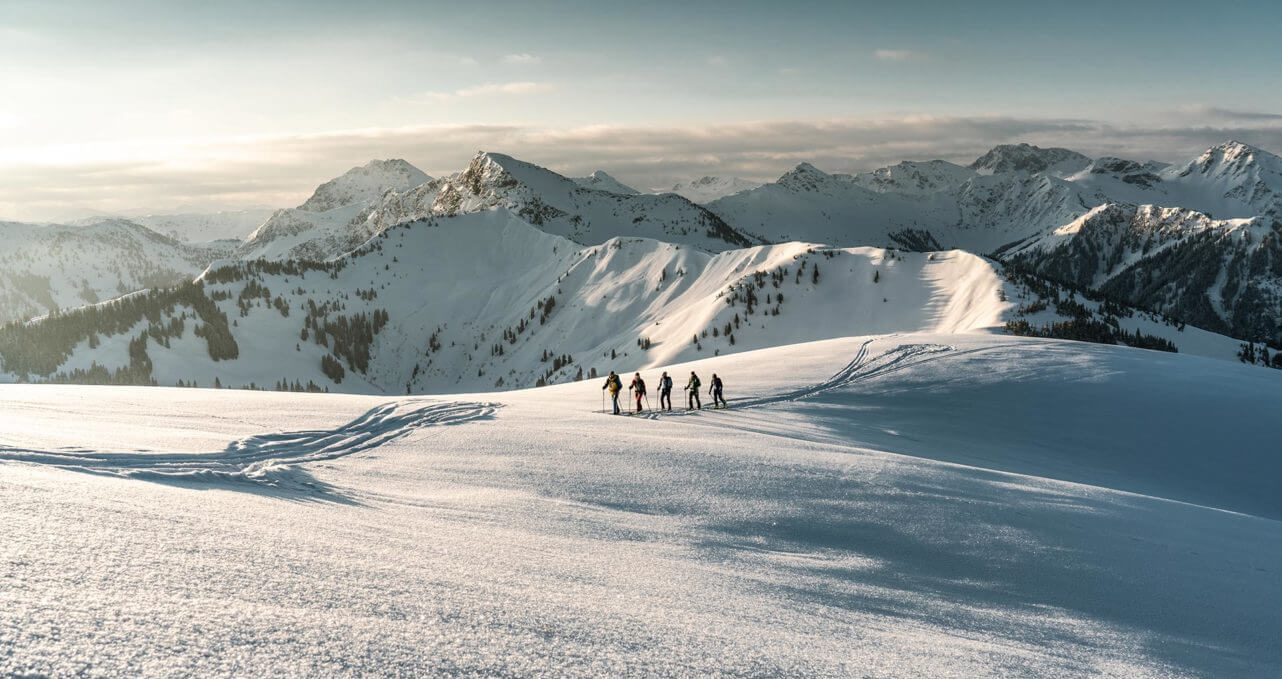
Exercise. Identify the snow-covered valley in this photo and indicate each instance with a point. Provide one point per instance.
(905, 505)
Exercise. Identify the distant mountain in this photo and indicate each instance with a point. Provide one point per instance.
(190, 227)
(203, 227)
(44, 267)
(485, 300)
(916, 178)
(1224, 275)
(1230, 180)
(709, 188)
(366, 183)
(331, 221)
(1028, 158)
(560, 206)
(602, 181)
(973, 212)
(551, 202)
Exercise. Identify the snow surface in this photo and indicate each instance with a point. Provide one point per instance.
(905, 505)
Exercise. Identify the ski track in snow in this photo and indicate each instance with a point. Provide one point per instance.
(262, 457)
(860, 368)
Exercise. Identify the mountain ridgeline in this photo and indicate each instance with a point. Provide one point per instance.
(507, 274)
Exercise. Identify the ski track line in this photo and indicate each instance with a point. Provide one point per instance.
(860, 368)
(253, 456)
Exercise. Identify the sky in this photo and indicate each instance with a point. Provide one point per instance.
(163, 106)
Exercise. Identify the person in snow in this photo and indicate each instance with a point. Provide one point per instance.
(665, 391)
(615, 385)
(638, 389)
(692, 387)
(715, 390)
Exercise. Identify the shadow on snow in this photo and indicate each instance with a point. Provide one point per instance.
(265, 463)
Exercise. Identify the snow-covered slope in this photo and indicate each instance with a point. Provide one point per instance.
(485, 300)
(365, 184)
(809, 204)
(914, 177)
(709, 188)
(907, 506)
(1229, 180)
(1221, 274)
(973, 212)
(203, 227)
(294, 233)
(331, 222)
(602, 181)
(45, 267)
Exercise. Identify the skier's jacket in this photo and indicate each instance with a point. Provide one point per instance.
(694, 384)
(716, 384)
(613, 383)
(638, 385)
(665, 383)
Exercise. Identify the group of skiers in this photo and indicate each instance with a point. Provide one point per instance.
(615, 386)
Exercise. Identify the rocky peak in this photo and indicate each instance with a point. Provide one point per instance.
(1025, 158)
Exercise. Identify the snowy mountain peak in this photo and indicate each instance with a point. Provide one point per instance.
(1233, 156)
(602, 181)
(366, 183)
(914, 177)
(495, 172)
(1028, 158)
(804, 177)
(709, 188)
(1233, 179)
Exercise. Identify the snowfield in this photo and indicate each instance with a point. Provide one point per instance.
(900, 505)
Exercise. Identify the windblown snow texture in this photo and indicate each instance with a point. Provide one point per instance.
(939, 504)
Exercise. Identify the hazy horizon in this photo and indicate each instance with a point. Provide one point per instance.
(161, 107)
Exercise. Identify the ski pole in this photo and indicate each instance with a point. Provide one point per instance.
(602, 401)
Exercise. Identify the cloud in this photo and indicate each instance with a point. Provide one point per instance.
(718, 60)
(1229, 114)
(489, 89)
(899, 55)
(225, 173)
(521, 58)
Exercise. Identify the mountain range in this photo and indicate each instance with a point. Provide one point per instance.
(417, 283)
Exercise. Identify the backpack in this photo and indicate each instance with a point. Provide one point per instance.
(695, 383)
(665, 383)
